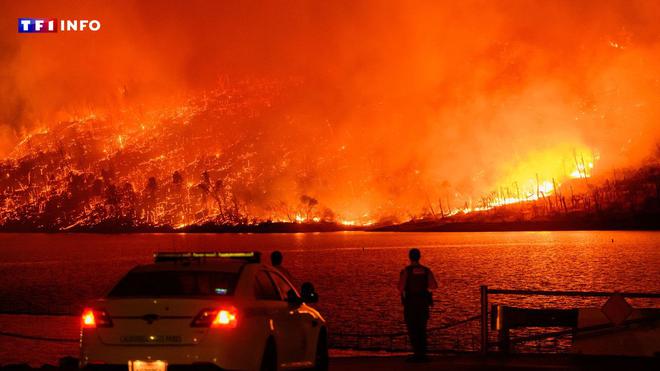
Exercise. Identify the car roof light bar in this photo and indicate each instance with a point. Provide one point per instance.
(248, 256)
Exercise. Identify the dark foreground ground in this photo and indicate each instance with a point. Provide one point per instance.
(519, 362)
(458, 362)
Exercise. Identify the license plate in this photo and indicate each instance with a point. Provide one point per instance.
(151, 339)
(147, 366)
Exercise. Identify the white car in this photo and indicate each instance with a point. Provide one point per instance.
(211, 311)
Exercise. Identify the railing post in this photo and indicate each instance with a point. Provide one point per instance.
(484, 319)
(503, 333)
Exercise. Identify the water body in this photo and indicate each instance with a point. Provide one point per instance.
(355, 274)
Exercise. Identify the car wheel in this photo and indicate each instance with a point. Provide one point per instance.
(321, 358)
(269, 359)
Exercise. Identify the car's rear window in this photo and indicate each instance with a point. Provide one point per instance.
(175, 283)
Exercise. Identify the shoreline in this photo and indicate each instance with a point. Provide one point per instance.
(523, 226)
(651, 224)
(493, 361)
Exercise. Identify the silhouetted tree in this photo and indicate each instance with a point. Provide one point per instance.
(308, 203)
(150, 199)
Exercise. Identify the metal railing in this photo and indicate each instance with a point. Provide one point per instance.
(39, 338)
(36, 337)
(485, 291)
(388, 341)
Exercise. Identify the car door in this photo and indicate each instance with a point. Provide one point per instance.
(298, 324)
(278, 312)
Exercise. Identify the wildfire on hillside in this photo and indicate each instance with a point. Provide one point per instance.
(172, 168)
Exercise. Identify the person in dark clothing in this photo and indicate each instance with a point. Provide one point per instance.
(415, 281)
(276, 258)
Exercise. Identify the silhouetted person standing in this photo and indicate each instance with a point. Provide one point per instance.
(415, 282)
(276, 259)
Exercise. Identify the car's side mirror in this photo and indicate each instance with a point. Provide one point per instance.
(308, 294)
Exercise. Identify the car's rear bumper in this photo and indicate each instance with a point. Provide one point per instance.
(218, 351)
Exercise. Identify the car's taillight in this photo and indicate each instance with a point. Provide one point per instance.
(93, 318)
(216, 317)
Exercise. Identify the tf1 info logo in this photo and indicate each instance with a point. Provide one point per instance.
(46, 25)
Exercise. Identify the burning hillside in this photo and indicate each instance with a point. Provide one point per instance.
(173, 168)
(169, 167)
